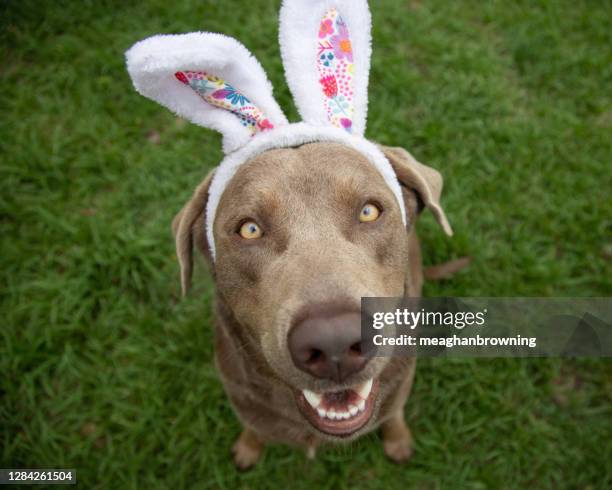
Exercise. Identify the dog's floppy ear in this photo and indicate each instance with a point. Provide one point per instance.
(188, 227)
(424, 180)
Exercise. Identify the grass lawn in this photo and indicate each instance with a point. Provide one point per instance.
(104, 369)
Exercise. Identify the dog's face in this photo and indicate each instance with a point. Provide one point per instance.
(302, 234)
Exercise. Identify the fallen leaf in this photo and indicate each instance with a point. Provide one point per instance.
(153, 137)
(89, 429)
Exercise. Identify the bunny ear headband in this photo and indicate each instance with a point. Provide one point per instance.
(214, 81)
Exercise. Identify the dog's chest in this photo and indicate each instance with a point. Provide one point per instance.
(260, 401)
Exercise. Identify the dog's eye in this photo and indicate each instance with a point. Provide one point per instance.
(370, 212)
(250, 230)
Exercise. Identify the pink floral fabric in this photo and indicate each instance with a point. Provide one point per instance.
(219, 93)
(335, 65)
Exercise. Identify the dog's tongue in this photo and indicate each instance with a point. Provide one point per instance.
(339, 400)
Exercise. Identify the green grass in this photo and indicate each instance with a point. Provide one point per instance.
(103, 369)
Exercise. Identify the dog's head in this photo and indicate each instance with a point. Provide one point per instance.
(301, 235)
(299, 221)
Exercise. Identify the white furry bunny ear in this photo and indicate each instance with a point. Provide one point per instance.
(210, 79)
(325, 45)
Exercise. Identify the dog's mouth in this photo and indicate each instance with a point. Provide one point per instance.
(339, 413)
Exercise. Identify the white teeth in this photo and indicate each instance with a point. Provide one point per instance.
(315, 399)
(312, 398)
(333, 415)
(364, 389)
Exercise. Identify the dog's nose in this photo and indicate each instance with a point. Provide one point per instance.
(328, 346)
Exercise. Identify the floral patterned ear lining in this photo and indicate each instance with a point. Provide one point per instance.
(335, 65)
(219, 93)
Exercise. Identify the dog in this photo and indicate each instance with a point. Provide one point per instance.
(297, 223)
(296, 289)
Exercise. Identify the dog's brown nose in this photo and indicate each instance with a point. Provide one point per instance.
(328, 346)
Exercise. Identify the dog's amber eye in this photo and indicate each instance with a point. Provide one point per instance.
(250, 230)
(369, 212)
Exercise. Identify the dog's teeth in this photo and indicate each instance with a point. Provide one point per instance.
(364, 389)
(312, 398)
